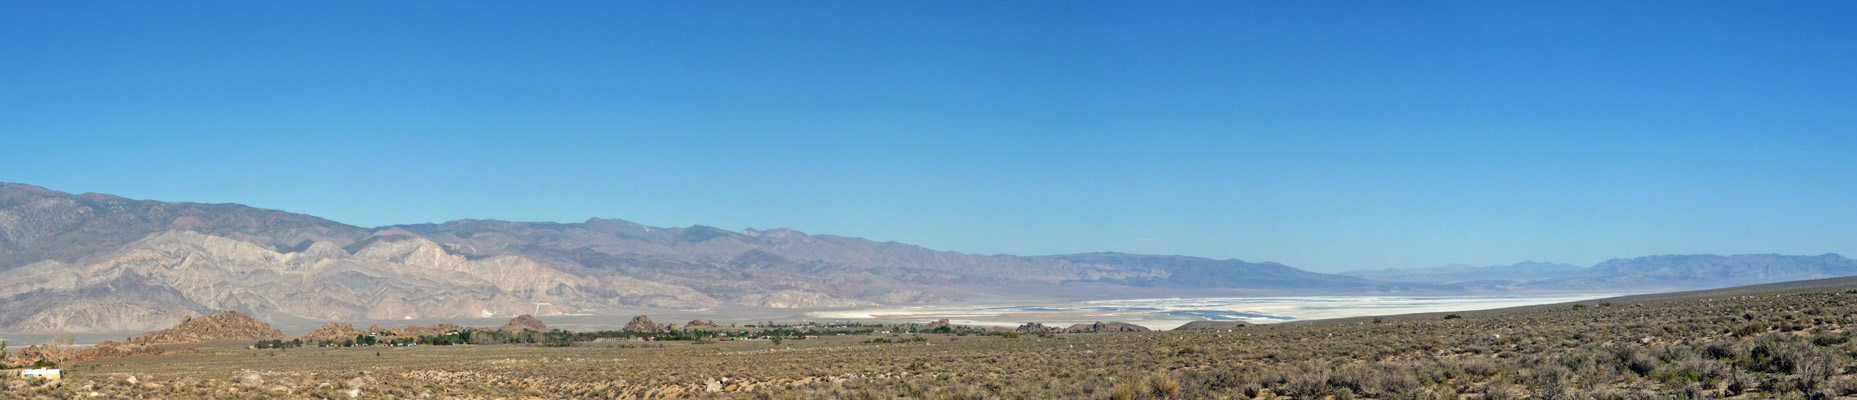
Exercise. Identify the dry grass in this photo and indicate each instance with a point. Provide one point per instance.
(1775, 345)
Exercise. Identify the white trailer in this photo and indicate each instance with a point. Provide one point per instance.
(42, 373)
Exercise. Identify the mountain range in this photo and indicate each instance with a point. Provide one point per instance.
(1523, 271)
(1641, 274)
(104, 263)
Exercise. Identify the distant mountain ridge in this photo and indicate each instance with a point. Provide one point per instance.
(95, 262)
(1195, 272)
(39, 224)
(1707, 271)
(1649, 273)
(1522, 271)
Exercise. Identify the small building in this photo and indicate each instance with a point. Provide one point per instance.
(42, 373)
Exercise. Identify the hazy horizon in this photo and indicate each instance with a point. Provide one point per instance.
(1327, 137)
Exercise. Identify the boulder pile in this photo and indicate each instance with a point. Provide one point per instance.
(1034, 327)
(1101, 327)
(334, 331)
(643, 324)
(230, 325)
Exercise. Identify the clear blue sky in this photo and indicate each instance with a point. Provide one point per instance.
(1325, 135)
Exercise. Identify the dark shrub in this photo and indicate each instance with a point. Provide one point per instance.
(1719, 351)
(1640, 364)
(1830, 339)
(1750, 329)
(1309, 386)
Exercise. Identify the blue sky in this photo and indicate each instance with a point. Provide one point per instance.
(1325, 135)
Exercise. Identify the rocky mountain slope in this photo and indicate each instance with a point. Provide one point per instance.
(95, 262)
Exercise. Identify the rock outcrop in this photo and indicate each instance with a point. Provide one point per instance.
(643, 324)
(230, 325)
(69, 354)
(26, 356)
(701, 324)
(1034, 327)
(334, 331)
(524, 321)
(1104, 327)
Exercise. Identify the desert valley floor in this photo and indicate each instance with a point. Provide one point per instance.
(1773, 341)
